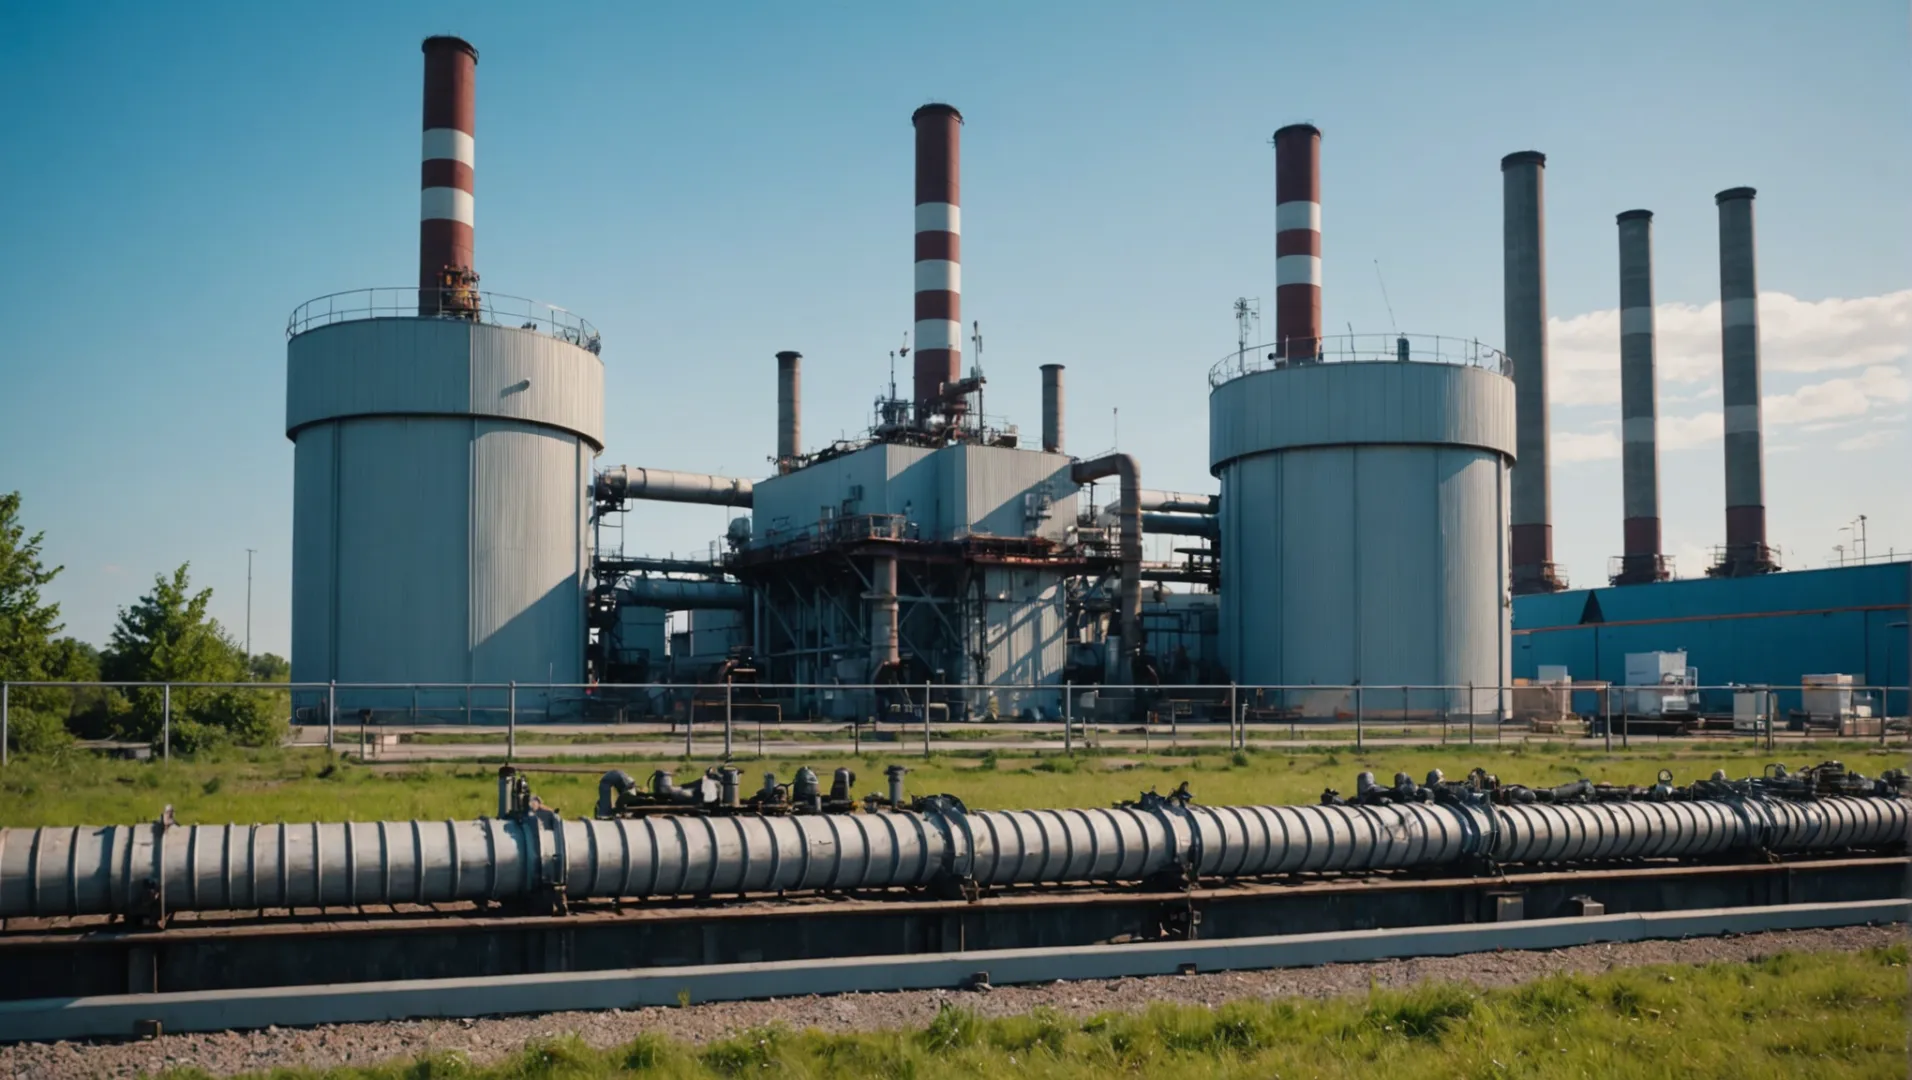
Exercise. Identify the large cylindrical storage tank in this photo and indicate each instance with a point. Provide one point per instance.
(440, 499)
(1364, 530)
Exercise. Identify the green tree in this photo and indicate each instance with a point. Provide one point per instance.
(27, 626)
(168, 637)
(271, 667)
(89, 710)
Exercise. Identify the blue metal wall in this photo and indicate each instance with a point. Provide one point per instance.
(1760, 630)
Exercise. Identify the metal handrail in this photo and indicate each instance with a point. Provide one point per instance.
(397, 301)
(1363, 348)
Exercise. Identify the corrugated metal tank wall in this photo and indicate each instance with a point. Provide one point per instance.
(1363, 523)
(441, 472)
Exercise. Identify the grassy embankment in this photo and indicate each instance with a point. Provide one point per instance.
(303, 785)
(1819, 1015)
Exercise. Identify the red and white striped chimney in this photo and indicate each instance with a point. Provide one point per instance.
(939, 272)
(445, 202)
(1298, 241)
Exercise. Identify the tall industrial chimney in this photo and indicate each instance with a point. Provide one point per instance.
(1746, 551)
(1052, 408)
(1298, 241)
(1640, 447)
(1524, 262)
(445, 238)
(789, 408)
(939, 275)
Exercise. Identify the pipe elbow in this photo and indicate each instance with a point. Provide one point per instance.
(611, 786)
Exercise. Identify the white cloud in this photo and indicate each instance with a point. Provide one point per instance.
(1867, 441)
(1795, 335)
(1822, 406)
(1687, 432)
(1585, 445)
(1838, 399)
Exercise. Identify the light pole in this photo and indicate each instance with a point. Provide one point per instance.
(249, 553)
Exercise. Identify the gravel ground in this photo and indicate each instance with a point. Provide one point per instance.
(227, 1053)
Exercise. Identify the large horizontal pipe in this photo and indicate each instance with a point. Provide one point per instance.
(1175, 571)
(625, 482)
(153, 868)
(1178, 502)
(611, 565)
(673, 594)
(1205, 525)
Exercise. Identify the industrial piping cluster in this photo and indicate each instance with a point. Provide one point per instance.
(532, 855)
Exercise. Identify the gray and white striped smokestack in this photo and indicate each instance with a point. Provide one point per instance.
(1746, 550)
(789, 408)
(939, 273)
(1298, 241)
(445, 236)
(1640, 446)
(1524, 264)
(1052, 408)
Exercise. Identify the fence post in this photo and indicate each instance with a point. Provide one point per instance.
(1771, 714)
(331, 712)
(727, 719)
(166, 723)
(414, 703)
(926, 687)
(1500, 711)
(1236, 730)
(1472, 704)
(1606, 713)
(3, 722)
(1357, 717)
(1068, 718)
(511, 721)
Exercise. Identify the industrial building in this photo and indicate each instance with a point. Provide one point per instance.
(1384, 514)
(1765, 630)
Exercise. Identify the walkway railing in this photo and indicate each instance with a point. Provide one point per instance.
(398, 302)
(1360, 348)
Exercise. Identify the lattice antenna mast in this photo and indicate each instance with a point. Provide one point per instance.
(1247, 326)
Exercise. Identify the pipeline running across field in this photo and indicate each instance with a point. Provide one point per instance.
(687, 844)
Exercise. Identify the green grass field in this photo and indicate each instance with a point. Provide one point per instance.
(1816, 1015)
(304, 785)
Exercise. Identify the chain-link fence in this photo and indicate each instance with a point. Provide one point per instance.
(421, 721)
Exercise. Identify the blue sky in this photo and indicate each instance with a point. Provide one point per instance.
(708, 189)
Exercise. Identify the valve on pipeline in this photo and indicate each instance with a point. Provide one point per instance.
(893, 800)
(1150, 800)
